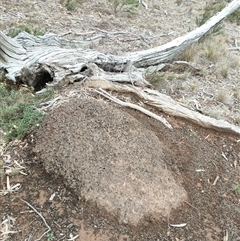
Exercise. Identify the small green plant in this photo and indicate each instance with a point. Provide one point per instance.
(214, 7)
(157, 79)
(117, 5)
(194, 134)
(70, 5)
(13, 32)
(236, 189)
(18, 111)
(50, 236)
(236, 93)
(210, 10)
(235, 17)
(37, 32)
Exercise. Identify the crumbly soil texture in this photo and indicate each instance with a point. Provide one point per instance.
(46, 202)
(90, 200)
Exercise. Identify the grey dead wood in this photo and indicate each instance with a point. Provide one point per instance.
(30, 59)
(166, 104)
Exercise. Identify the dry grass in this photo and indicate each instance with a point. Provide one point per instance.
(236, 93)
(215, 113)
(237, 120)
(222, 96)
(6, 228)
(212, 51)
(10, 166)
(190, 53)
(224, 71)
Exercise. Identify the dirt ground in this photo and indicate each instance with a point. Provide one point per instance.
(108, 157)
(206, 163)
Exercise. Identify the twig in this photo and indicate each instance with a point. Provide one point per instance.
(87, 33)
(168, 216)
(95, 37)
(67, 33)
(110, 33)
(236, 46)
(6, 226)
(73, 238)
(190, 205)
(40, 215)
(215, 181)
(47, 104)
(225, 238)
(224, 156)
(133, 106)
(143, 3)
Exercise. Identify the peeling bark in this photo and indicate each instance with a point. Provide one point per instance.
(62, 58)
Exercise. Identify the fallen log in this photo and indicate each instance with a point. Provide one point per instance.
(56, 61)
(163, 103)
(60, 60)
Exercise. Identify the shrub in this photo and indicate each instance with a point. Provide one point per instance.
(13, 32)
(18, 111)
(210, 10)
(117, 5)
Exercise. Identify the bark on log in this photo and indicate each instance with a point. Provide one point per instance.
(164, 103)
(57, 59)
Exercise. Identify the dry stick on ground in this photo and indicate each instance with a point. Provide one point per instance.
(166, 104)
(40, 215)
(5, 228)
(133, 106)
(236, 46)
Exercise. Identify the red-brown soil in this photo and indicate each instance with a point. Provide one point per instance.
(195, 157)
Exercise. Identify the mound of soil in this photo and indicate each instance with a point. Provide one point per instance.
(204, 162)
(108, 157)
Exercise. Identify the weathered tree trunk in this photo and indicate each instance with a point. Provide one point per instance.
(57, 61)
(60, 58)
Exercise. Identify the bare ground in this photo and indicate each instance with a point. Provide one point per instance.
(205, 163)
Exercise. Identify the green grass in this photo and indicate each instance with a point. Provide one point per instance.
(210, 10)
(236, 189)
(13, 32)
(157, 79)
(71, 4)
(117, 5)
(18, 111)
(50, 236)
(214, 7)
(235, 17)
